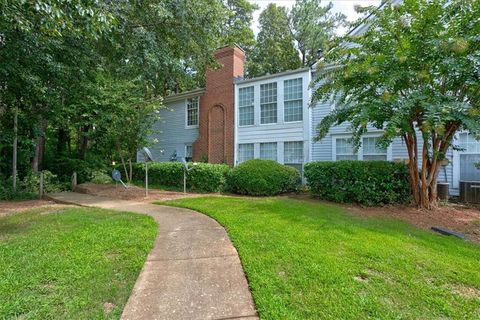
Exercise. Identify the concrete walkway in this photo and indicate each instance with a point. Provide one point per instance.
(193, 271)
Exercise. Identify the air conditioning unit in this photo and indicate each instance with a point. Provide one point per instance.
(470, 191)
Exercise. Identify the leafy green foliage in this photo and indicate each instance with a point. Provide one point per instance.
(311, 260)
(68, 262)
(415, 70)
(314, 27)
(29, 186)
(275, 51)
(203, 177)
(237, 27)
(365, 182)
(262, 178)
(100, 177)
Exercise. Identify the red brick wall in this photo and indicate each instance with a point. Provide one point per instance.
(216, 126)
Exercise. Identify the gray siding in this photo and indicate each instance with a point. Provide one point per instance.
(322, 150)
(171, 132)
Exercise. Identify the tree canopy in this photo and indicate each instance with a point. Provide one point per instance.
(275, 51)
(415, 74)
(314, 28)
(85, 77)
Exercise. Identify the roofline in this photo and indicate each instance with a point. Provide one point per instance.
(184, 95)
(269, 76)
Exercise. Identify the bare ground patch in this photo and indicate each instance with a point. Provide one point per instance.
(9, 207)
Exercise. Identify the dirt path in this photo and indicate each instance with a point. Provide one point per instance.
(10, 207)
(193, 271)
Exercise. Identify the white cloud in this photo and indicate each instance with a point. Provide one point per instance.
(347, 7)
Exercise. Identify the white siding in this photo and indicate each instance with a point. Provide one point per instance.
(281, 131)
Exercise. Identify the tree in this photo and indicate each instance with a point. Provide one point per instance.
(415, 75)
(237, 29)
(275, 51)
(314, 28)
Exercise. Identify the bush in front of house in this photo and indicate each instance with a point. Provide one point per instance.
(368, 183)
(262, 178)
(202, 177)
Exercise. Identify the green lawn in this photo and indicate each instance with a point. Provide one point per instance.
(309, 260)
(70, 263)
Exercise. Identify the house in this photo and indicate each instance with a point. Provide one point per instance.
(234, 119)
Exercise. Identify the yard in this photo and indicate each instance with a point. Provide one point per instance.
(65, 262)
(310, 260)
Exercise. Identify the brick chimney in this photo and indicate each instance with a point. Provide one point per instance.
(216, 126)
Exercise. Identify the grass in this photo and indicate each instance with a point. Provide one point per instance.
(310, 260)
(71, 263)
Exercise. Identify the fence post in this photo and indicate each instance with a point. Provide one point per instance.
(41, 185)
(74, 181)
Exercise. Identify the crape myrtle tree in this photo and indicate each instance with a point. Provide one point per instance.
(415, 74)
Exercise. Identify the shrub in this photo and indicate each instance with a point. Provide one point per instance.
(207, 177)
(100, 177)
(364, 182)
(31, 183)
(203, 177)
(85, 169)
(262, 178)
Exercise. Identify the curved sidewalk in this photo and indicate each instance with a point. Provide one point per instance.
(193, 270)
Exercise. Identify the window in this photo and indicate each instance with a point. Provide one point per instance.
(371, 151)
(469, 143)
(344, 149)
(245, 106)
(268, 151)
(188, 152)
(245, 152)
(293, 155)
(192, 112)
(293, 100)
(268, 103)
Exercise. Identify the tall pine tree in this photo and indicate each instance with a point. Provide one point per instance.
(275, 50)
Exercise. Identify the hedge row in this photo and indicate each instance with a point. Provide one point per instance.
(364, 182)
(253, 177)
(203, 177)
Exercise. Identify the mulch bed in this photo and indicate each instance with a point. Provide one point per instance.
(9, 207)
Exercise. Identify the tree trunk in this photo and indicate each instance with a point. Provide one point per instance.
(15, 148)
(63, 138)
(131, 170)
(37, 163)
(82, 142)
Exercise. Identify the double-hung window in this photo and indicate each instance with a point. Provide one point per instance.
(344, 149)
(293, 154)
(245, 106)
(192, 112)
(371, 150)
(268, 151)
(293, 100)
(469, 156)
(245, 152)
(268, 103)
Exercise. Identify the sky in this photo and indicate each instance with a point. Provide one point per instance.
(344, 6)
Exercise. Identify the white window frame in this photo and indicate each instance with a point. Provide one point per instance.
(246, 106)
(186, 113)
(291, 100)
(186, 147)
(269, 143)
(275, 102)
(238, 152)
(456, 160)
(360, 150)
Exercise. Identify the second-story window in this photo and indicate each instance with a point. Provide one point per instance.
(192, 112)
(268, 103)
(245, 106)
(293, 100)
